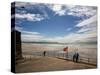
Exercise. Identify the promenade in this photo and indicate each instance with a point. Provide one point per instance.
(42, 64)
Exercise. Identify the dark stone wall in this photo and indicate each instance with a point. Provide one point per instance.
(18, 45)
(16, 36)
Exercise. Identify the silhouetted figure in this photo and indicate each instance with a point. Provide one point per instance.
(44, 53)
(76, 57)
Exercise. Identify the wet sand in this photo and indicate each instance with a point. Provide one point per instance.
(42, 64)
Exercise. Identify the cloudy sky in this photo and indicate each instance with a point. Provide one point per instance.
(56, 23)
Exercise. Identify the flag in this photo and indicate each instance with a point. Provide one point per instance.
(65, 49)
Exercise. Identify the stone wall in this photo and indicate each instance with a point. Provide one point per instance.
(17, 44)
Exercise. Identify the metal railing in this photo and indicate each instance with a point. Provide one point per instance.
(56, 54)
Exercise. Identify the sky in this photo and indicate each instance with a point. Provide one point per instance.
(73, 24)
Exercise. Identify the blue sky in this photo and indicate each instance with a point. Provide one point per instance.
(56, 22)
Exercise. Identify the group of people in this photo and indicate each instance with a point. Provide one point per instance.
(75, 56)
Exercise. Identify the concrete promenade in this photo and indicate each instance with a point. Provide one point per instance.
(42, 64)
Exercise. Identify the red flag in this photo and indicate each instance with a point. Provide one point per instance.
(65, 49)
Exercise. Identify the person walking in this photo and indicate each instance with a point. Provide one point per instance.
(65, 52)
(44, 53)
(76, 57)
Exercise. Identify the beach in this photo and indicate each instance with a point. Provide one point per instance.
(89, 51)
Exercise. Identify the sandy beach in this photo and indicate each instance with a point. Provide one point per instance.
(86, 51)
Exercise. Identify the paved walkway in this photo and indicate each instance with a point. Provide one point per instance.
(41, 64)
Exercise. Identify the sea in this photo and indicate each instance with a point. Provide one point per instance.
(84, 50)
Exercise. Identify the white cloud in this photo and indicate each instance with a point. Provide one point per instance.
(18, 28)
(89, 34)
(57, 7)
(79, 11)
(88, 29)
(87, 22)
(71, 38)
(28, 36)
(30, 11)
(53, 39)
(82, 11)
(28, 32)
(30, 17)
(31, 36)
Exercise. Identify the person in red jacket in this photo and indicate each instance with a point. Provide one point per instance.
(66, 51)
